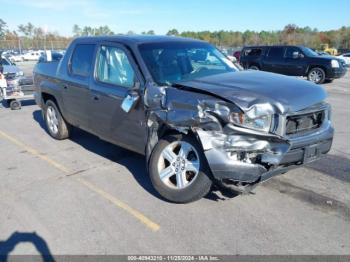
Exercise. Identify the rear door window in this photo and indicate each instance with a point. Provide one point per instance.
(81, 60)
(291, 50)
(276, 52)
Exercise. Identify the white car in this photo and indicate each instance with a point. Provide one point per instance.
(16, 58)
(32, 56)
(346, 58)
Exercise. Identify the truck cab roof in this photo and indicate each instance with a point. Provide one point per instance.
(133, 39)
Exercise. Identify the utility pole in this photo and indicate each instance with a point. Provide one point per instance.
(45, 32)
(19, 45)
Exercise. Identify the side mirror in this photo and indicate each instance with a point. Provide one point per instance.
(130, 100)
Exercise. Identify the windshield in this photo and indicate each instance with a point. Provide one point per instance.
(173, 62)
(309, 52)
(4, 61)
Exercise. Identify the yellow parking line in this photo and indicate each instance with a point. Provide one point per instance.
(34, 152)
(115, 201)
(121, 205)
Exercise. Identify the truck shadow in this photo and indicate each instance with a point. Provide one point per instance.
(134, 162)
(334, 166)
(7, 246)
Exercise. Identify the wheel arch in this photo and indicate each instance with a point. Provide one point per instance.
(45, 96)
(162, 131)
(254, 64)
(316, 66)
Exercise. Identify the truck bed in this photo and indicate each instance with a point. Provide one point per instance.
(46, 69)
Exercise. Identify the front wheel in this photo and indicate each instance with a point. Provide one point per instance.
(317, 75)
(178, 169)
(57, 127)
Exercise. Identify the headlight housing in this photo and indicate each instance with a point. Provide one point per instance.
(335, 63)
(258, 117)
(261, 123)
(19, 73)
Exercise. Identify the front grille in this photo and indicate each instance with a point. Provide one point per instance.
(343, 63)
(297, 124)
(10, 76)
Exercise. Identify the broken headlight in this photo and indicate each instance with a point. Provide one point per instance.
(261, 123)
(259, 117)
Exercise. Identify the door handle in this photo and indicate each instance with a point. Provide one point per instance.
(96, 98)
(65, 87)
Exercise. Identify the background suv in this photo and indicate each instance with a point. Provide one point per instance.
(293, 61)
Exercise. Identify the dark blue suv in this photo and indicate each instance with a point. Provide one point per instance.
(293, 61)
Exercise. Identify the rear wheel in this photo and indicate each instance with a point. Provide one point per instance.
(15, 105)
(317, 75)
(57, 127)
(178, 169)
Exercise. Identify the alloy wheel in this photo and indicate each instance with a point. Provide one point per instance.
(52, 120)
(316, 76)
(178, 165)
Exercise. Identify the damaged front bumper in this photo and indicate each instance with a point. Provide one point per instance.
(244, 157)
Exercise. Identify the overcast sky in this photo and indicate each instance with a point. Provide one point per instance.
(162, 15)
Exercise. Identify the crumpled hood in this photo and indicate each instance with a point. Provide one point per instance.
(247, 88)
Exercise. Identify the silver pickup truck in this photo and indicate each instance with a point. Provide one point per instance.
(196, 117)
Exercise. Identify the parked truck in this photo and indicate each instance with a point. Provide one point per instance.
(196, 117)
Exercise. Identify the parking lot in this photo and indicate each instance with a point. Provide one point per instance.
(86, 196)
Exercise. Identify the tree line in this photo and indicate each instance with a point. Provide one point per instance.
(31, 36)
(290, 35)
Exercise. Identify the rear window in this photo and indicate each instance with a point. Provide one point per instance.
(81, 61)
(276, 52)
(252, 52)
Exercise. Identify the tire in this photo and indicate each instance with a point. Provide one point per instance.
(15, 105)
(254, 67)
(316, 75)
(56, 126)
(196, 185)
